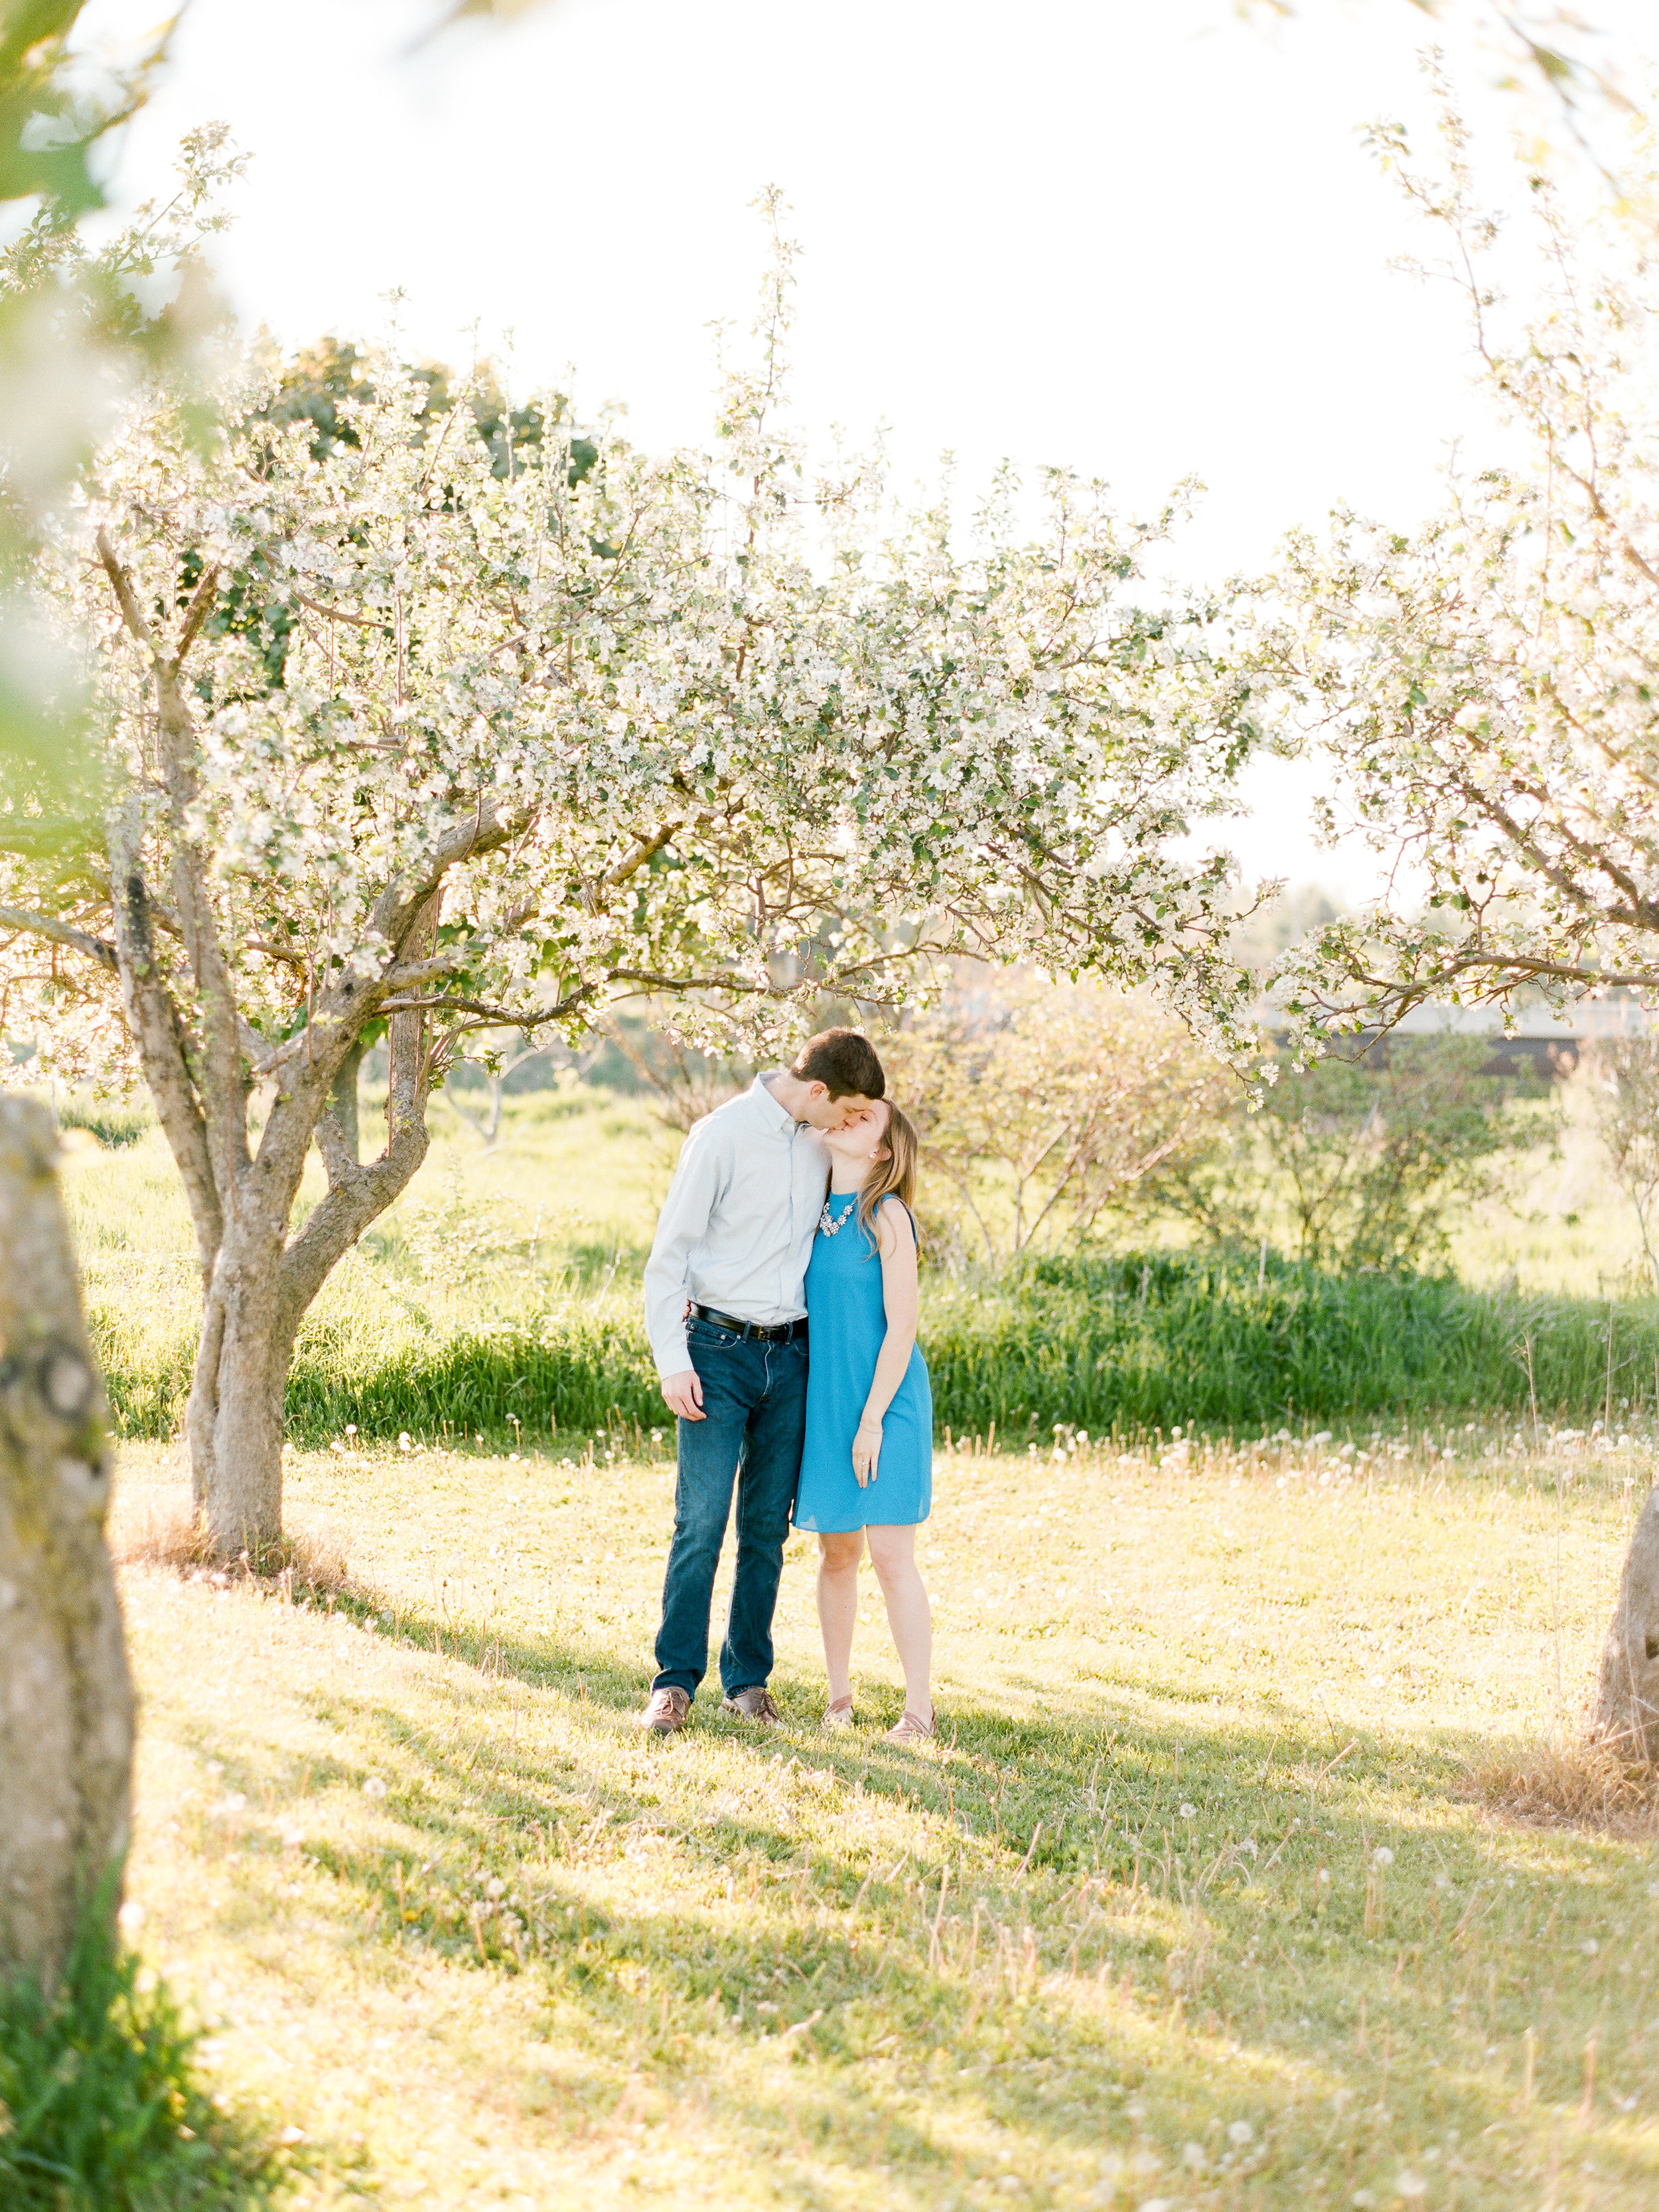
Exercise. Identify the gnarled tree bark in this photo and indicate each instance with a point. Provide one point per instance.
(65, 1696)
(1627, 1685)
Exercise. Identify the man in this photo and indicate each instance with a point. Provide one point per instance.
(724, 1306)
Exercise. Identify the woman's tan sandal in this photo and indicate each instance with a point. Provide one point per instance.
(911, 1728)
(839, 1715)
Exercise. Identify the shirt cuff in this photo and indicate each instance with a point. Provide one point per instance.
(674, 1358)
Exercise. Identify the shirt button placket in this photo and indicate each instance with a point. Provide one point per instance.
(794, 1139)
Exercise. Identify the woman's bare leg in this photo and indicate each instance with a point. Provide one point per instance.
(893, 1554)
(838, 1606)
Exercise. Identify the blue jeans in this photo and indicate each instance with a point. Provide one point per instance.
(754, 1403)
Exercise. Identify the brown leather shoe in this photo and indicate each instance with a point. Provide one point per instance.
(666, 1710)
(754, 1704)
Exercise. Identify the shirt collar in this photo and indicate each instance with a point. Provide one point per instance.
(778, 1116)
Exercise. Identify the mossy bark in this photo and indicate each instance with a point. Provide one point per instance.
(65, 1694)
(1627, 1687)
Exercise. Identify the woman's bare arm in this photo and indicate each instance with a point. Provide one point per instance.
(900, 1296)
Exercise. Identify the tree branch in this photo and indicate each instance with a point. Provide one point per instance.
(158, 1034)
(42, 924)
(356, 1196)
(339, 614)
(646, 850)
(196, 613)
(1408, 994)
(486, 1014)
(131, 613)
(222, 1092)
(410, 975)
(394, 911)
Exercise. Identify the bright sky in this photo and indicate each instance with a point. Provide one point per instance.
(1137, 236)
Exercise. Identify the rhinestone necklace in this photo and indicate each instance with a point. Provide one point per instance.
(829, 1228)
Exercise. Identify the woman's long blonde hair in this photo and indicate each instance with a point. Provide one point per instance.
(896, 1176)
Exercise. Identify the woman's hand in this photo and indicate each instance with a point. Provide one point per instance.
(866, 1450)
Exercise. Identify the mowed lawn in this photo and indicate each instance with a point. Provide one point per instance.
(1130, 1936)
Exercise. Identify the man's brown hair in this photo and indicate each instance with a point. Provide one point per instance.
(844, 1062)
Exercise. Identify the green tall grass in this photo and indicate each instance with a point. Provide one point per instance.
(1140, 1341)
(581, 1365)
(102, 2108)
(1229, 1342)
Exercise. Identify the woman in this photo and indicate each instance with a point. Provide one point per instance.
(867, 1466)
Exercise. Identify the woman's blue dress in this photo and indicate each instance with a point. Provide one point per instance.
(846, 1322)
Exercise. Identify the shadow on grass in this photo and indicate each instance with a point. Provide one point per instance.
(1092, 1937)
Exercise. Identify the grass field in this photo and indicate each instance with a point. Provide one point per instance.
(1242, 1877)
(1198, 1904)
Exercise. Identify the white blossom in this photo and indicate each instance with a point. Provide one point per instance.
(1485, 686)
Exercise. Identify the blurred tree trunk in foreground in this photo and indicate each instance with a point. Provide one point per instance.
(65, 1697)
(1627, 1690)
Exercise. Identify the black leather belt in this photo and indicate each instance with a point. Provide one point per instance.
(783, 1331)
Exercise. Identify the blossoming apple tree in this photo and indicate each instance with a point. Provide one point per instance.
(401, 736)
(1485, 686)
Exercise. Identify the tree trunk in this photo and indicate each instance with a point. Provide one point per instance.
(1627, 1690)
(234, 1420)
(65, 1697)
(343, 1102)
(261, 1283)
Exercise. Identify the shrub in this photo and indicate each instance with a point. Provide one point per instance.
(1234, 1341)
(113, 1123)
(101, 2109)
(1042, 1110)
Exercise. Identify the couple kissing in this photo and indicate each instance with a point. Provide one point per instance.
(781, 1300)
